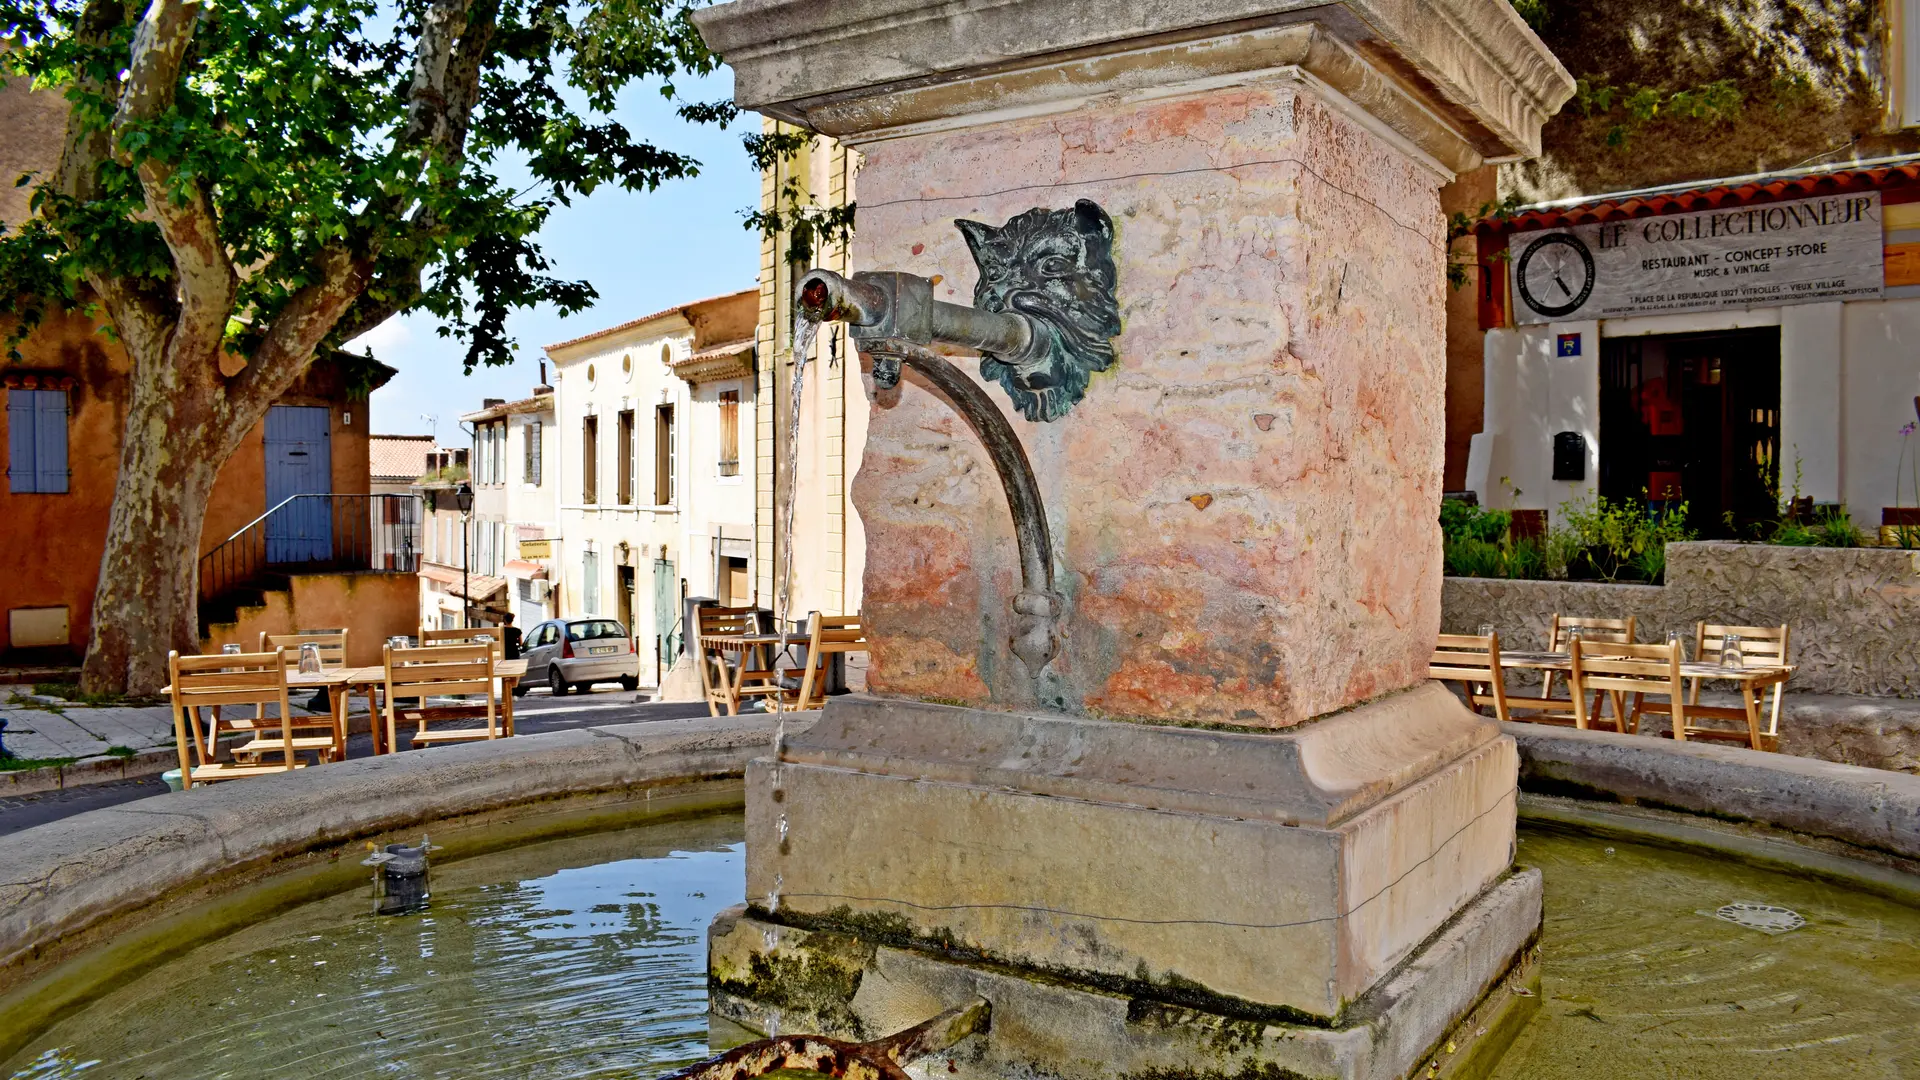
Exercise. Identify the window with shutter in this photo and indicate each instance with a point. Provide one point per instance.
(590, 460)
(729, 433)
(37, 441)
(530, 453)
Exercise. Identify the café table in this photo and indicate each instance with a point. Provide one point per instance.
(1750, 681)
(341, 682)
(745, 646)
(368, 680)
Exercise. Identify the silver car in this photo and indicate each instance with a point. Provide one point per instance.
(579, 652)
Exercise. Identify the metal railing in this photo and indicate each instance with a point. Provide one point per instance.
(348, 533)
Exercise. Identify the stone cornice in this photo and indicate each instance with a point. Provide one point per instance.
(1463, 80)
(731, 361)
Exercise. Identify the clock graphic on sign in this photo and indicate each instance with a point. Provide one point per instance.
(1555, 274)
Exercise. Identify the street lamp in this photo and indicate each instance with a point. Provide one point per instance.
(463, 498)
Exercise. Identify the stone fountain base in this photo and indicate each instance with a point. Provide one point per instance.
(1457, 1002)
(1340, 890)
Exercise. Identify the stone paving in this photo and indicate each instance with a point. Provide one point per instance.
(49, 728)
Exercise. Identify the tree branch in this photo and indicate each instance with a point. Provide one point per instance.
(206, 278)
(289, 343)
(142, 316)
(445, 91)
(441, 26)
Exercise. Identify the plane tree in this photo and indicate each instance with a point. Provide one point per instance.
(245, 183)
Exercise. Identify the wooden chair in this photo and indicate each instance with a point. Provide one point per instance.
(497, 635)
(827, 636)
(333, 657)
(1473, 662)
(257, 679)
(1592, 630)
(439, 671)
(333, 646)
(1621, 669)
(1760, 646)
(719, 670)
(306, 727)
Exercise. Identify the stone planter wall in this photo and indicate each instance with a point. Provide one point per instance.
(1853, 613)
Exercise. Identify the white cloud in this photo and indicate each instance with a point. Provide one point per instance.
(386, 340)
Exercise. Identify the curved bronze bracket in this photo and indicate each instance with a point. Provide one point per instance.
(1036, 636)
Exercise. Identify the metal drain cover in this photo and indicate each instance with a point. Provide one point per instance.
(1762, 917)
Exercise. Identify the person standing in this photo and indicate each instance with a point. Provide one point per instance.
(511, 634)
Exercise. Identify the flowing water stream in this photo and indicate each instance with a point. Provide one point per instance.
(804, 330)
(585, 957)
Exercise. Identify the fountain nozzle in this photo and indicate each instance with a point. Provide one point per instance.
(885, 305)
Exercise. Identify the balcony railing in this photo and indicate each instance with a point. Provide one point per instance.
(311, 533)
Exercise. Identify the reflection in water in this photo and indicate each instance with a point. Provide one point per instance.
(1640, 979)
(576, 958)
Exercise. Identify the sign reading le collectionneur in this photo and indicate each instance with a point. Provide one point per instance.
(1797, 252)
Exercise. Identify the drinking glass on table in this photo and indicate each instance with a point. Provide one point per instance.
(309, 658)
(230, 650)
(1730, 652)
(1673, 639)
(1486, 629)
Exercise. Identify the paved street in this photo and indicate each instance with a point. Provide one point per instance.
(533, 714)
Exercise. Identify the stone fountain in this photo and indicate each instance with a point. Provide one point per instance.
(1149, 759)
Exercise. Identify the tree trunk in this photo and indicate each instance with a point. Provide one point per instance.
(180, 431)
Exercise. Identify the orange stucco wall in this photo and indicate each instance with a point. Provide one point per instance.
(372, 608)
(52, 543)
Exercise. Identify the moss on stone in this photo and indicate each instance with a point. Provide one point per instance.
(1252, 1070)
(812, 980)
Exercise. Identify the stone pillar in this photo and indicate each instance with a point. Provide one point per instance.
(1240, 507)
(1243, 514)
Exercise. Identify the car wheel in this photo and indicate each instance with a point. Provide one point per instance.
(629, 682)
(556, 681)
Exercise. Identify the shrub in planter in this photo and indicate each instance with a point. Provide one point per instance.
(1622, 538)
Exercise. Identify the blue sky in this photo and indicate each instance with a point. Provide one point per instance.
(642, 251)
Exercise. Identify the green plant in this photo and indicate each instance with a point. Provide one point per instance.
(1467, 557)
(1558, 551)
(1479, 543)
(19, 764)
(71, 692)
(121, 751)
(1534, 12)
(1614, 537)
(1907, 536)
(1706, 103)
(1526, 559)
(1462, 521)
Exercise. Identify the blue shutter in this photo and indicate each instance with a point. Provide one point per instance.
(50, 441)
(20, 466)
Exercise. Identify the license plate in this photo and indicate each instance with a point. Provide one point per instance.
(603, 650)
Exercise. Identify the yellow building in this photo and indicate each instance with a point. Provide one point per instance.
(829, 553)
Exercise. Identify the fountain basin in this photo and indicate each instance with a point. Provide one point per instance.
(112, 886)
(1629, 936)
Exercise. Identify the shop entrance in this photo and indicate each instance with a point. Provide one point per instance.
(1693, 417)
